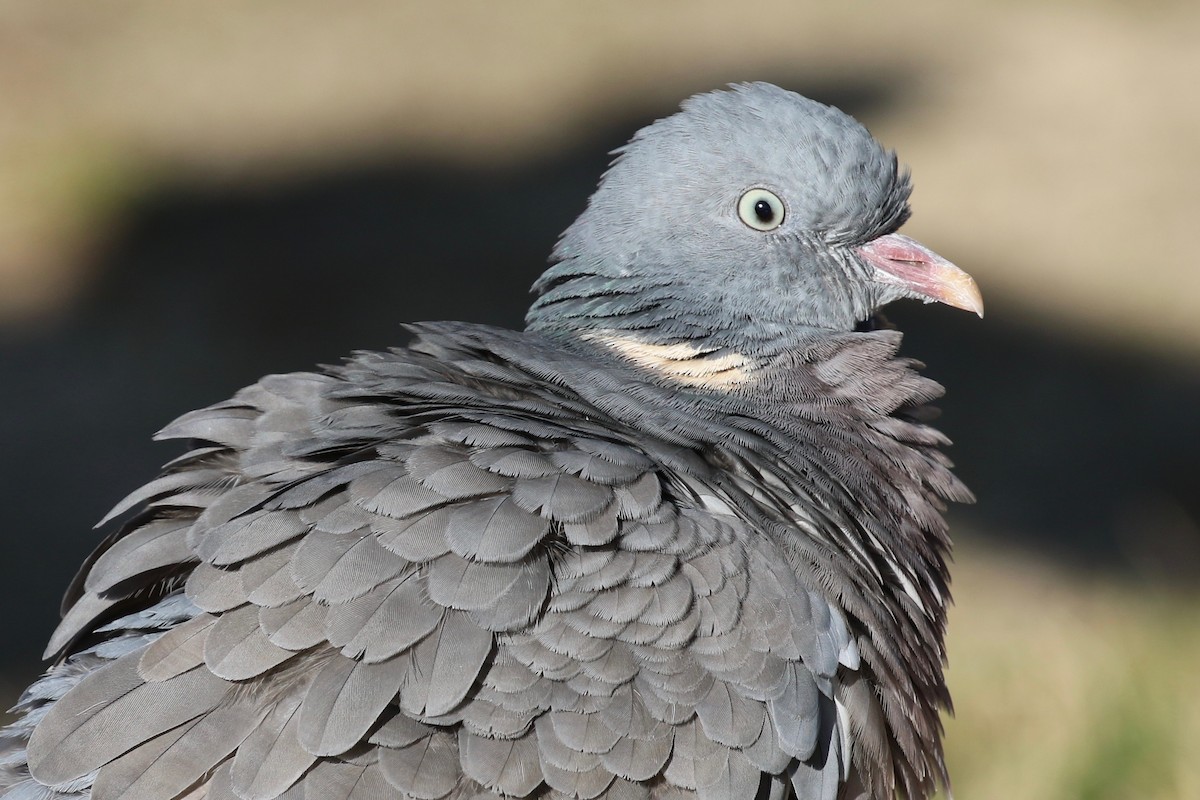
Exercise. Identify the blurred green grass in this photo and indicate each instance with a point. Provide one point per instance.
(1070, 685)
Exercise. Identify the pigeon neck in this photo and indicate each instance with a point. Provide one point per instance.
(753, 360)
(697, 365)
(680, 343)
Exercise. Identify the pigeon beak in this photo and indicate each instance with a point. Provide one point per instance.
(899, 260)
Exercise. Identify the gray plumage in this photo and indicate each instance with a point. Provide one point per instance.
(271, 759)
(681, 538)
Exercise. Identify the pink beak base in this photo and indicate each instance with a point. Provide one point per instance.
(899, 260)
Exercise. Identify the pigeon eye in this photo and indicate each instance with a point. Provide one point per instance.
(761, 210)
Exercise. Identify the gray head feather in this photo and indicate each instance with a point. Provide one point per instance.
(661, 248)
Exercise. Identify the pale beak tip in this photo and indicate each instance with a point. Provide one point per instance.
(968, 296)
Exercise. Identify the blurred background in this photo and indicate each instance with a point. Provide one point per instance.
(193, 195)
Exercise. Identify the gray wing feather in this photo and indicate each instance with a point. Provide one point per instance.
(277, 589)
(514, 462)
(219, 786)
(447, 663)
(507, 675)
(819, 781)
(339, 781)
(583, 733)
(255, 572)
(561, 497)
(669, 602)
(229, 423)
(170, 483)
(494, 529)
(614, 668)
(638, 759)
(566, 764)
(653, 569)
(419, 538)
(92, 724)
(718, 611)
(484, 717)
(452, 475)
(319, 553)
(478, 436)
(678, 634)
(361, 568)
(216, 589)
(662, 710)
(584, 784)
(594, 531)
(392, 493)
(344, 702)
(652, 537)
(271, 758)
(238, 499)
(508, 766)
(174, 760)
(336, 514)
(427, 769)
(308, 493)
(519, 605)
(249, 535)
(83, 614)
(455, 582)
(729, 718)
(796, 713)
(599, 469)
(122, 775)
(736, 777)
(298, 625)
(692, 755)
(765, 753)
(158, 544)
(870, 735)
(640, 499)
(400, 731)
(562, 639)
(177, 651)
(237, 648)
(625, 717)
(384, 622)
(621, 789)
(600, 573)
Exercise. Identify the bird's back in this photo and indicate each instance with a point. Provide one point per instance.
(435, 573)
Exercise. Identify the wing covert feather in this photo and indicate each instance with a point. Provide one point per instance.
(271, 759)
(344, 701)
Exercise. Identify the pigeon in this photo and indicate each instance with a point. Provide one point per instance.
(682, 537)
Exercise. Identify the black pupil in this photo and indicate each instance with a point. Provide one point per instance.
(764, 212)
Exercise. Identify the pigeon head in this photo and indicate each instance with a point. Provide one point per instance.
(751, 217)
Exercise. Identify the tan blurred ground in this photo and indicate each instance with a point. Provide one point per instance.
(1058, 139)
(1054, 148)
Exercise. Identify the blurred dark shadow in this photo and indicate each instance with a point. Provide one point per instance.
(1077, 449)
(205, 289)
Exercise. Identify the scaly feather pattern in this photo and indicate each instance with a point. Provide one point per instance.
(566, 609)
